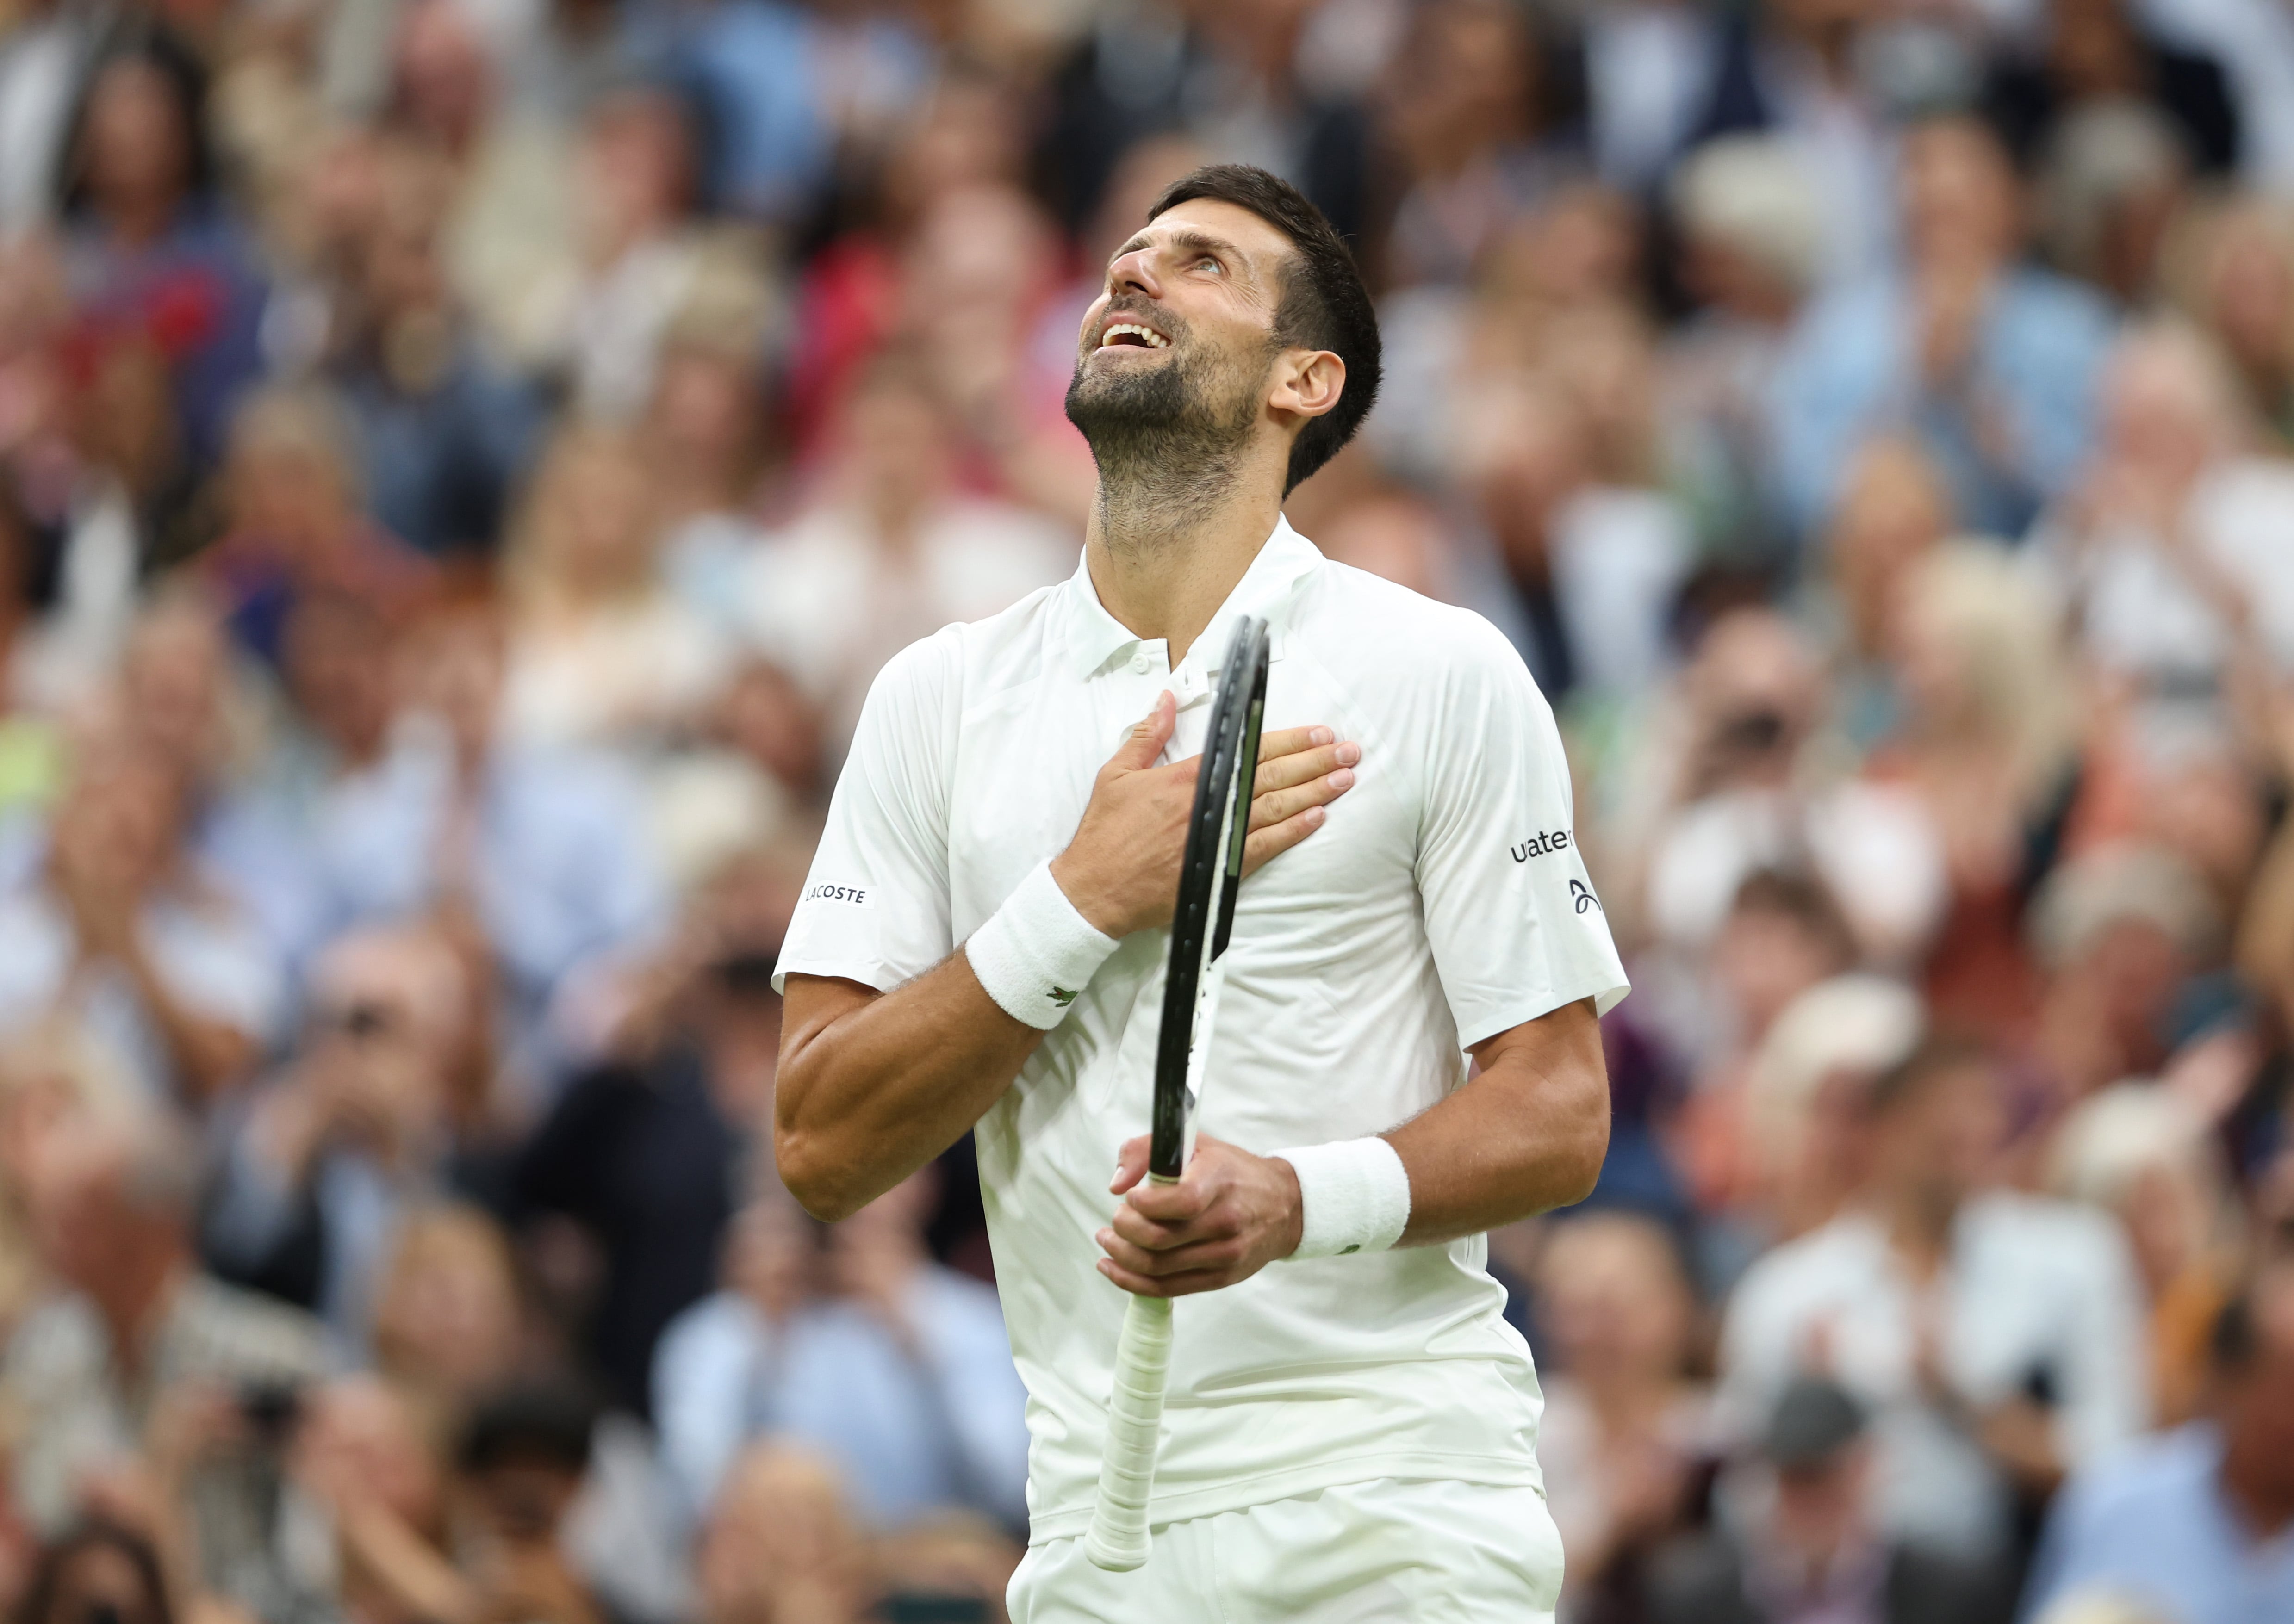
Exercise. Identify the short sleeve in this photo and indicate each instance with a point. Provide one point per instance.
(1516, 928)
(876, 906)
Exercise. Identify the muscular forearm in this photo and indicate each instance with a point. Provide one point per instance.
(872, 1086)
(1525, 1136)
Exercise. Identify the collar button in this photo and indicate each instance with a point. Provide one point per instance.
(1140, 662)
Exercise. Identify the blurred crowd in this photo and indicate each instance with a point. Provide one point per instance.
(462, 462)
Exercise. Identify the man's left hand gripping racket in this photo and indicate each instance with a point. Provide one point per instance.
(1200, 924)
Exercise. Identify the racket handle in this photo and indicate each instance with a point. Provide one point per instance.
(1118, 1540)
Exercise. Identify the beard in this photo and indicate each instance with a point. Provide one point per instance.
(1169, 435)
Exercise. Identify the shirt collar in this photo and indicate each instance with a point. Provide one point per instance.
(1267, 588)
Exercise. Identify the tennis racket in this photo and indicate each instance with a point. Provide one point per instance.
(1209, 878)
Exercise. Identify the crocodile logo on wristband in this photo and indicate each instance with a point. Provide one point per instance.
(1064, 996)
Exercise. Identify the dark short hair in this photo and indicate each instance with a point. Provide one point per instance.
(1324, 305)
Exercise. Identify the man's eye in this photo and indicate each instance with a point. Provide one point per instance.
(1201, 260)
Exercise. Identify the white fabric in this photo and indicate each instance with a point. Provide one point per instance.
(1036, 953)
(1369, 1552)
(1434, 909)
(1352, 1196)
(2031, 1286)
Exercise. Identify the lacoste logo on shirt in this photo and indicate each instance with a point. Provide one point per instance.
(1541, 845)
(851, 895)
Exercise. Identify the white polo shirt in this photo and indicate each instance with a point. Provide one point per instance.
(1442, 903)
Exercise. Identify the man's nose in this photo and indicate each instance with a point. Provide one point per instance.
(1135, 272)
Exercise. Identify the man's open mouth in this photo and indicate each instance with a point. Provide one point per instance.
(1131, 334)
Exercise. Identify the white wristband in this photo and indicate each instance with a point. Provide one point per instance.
(1036, 953)
(1354, 1196)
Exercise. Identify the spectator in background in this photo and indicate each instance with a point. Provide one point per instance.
(645, 1151)
(1468, 108)
(447, 1326)
(1626, 1431)
(1996, 1336)
(444, 428)
(1589, 565)
(520, 1465)
(507, 242)
(2169, 549)
(2142, 1154)
(145, 1385)
(364, 1454)
(889, 549)
(1813, 1549)
(1988, 743)
(2193, 1522)
(850, 1340)
(295, 523)
(780, 1544)
(635, 176)
(2234, 276)
(119, 924)
(1989, 361)
(152, 258)
(98, 1569)
(1784, 938)
(1796, 69)
(329, 1156)
(602, 655)
(48, 1076)
(708, 440)
(1741, 751)
(538, 856)
(1752, 249)
(1804, 1103)
(2116, 178)
(2096, 51)
(1894, 508)
(2119, 931)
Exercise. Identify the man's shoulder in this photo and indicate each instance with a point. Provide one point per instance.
(975, 655)
(1351, 619)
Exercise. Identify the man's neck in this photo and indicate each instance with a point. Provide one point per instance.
(1164, 553)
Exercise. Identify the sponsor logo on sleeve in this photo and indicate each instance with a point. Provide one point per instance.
(1581, 894)
(1543, 844)
(845, 896)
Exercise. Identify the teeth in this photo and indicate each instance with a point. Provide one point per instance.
(1148, 334)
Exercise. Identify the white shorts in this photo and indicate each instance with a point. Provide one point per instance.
(1423, 1552)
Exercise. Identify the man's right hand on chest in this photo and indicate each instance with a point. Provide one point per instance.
(1121, 871)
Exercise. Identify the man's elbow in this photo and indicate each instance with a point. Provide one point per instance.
(1581, 1164)
(821, 1181)
(1584, 1148)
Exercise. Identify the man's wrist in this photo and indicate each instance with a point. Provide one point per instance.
(1038, 953)
(1087, 898)
(1354, 1196)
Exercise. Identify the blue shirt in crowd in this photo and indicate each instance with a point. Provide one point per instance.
(2153, 1526)
(1851, 371)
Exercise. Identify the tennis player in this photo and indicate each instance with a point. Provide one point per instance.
(1350, 1424)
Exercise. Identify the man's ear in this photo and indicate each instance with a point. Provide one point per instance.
(1307, 383)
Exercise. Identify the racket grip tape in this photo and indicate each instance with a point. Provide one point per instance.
(1118, 1540)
